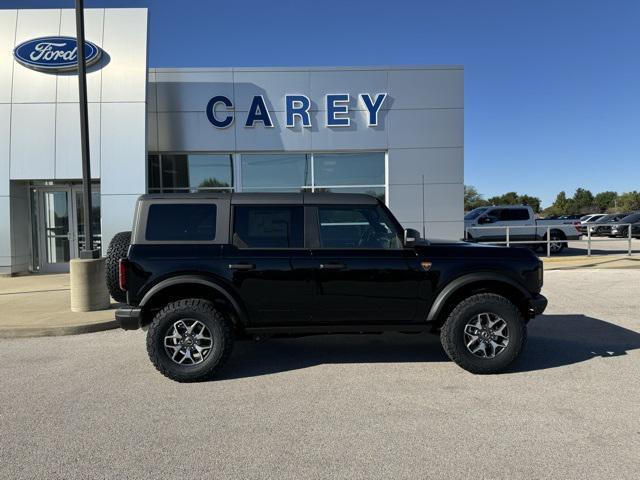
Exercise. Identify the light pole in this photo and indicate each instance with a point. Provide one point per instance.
(88, 251)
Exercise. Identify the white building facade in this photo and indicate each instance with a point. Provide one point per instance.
(392, 132)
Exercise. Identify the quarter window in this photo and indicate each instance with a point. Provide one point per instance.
(181, 222)
(268, 226)
(357, 227)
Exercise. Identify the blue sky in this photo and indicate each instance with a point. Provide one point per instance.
(552, 87)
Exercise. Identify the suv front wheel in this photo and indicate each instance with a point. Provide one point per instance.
(484, 333)
(189, 340)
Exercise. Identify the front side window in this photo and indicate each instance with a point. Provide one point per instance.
(357, 227)
(182, 222)
(261, 226)
(475, 213)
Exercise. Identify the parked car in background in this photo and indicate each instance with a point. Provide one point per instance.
(588, 217)
(621, 228)
(602, 227)
(588, 220)
(488, 224)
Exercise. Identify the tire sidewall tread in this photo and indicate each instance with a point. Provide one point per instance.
(452, 337)
(118, 248)
(204, 311)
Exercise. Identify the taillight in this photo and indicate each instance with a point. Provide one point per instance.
(122, 274)
(578, 226)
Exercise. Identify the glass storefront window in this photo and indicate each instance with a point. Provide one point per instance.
(189, 172)
(330, 169)
(275, 172)
(357, 172)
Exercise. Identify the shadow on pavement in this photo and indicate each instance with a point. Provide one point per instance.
(558, 340)
(554, 341)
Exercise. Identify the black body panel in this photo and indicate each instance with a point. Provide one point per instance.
(325, 289)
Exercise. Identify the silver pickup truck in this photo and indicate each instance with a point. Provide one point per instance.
(489, 224)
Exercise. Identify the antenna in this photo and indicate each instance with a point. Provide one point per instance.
(424, 226)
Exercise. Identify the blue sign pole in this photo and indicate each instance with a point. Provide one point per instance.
(88, 250)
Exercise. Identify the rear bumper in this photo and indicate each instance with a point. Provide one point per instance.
(129, 318)
(537, 304)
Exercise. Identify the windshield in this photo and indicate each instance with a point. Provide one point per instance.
(475, 213)
(634, 217)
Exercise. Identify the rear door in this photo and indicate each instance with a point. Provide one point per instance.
(362, 271)
(521, 224)
(266, 241)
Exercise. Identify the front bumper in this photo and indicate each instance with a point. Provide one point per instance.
(129, 318)
(537, 304)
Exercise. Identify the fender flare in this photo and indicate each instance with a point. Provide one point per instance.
(453, 286)
(200, 280)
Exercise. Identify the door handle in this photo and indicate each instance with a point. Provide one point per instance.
(332, 266)
(242, 266)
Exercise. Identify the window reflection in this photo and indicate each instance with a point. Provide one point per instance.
(169, 173)
(275, 172)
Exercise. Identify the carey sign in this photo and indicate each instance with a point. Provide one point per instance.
(54, 54)
(297, 110)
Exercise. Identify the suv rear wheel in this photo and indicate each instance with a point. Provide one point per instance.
(189, 340)
(484, 333)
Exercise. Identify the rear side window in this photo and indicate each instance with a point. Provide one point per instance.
(262, 226)
(515, 214)
(182, 222)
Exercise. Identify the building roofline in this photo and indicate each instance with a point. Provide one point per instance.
(304, 69)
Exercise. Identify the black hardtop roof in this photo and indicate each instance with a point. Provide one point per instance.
(302, 198)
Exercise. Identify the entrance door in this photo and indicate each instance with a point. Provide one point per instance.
(59, 221)
(55, 229)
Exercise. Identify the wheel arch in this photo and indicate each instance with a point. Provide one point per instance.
(471, 284)
(193, 286)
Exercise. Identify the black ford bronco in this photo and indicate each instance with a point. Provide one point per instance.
(204, 269)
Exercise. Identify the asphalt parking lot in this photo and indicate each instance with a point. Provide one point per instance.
(389, 406)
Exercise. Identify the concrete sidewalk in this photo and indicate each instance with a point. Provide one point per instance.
(39, 305)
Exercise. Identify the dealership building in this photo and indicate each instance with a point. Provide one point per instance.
(392, 132)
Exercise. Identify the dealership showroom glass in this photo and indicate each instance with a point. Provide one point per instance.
(393, 132)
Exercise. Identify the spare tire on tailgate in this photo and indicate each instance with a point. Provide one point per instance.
(117, 249)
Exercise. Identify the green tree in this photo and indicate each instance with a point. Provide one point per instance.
(561, 205)
(513, 198)
(472, 198)
(533, 202)
(605, 200)
(583, 201)
(629, 201)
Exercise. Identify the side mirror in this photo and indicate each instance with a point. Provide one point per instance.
(485, 220)
(411, 236)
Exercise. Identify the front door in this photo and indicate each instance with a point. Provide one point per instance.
(59, 220)
(363, 273)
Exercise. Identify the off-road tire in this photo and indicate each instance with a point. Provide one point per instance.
(204, 311)
(118, 248)
(452, 333)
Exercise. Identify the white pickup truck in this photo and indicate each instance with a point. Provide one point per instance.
(488, 224)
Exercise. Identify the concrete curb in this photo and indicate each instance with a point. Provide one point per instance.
(55, 331)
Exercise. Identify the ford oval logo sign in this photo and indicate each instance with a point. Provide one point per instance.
(55, 54)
